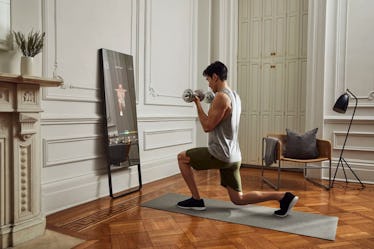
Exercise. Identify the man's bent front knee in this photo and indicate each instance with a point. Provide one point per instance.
(183, 158)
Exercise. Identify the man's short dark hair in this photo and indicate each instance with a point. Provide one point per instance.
(217, 68)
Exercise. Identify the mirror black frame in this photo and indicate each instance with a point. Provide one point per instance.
(120, 117)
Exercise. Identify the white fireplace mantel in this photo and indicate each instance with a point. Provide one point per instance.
(21, 218)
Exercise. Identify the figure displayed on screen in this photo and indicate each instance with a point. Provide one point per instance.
(121, 98)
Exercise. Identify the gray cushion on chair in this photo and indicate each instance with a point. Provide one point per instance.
(301, 146)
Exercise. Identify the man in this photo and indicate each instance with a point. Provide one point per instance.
(223, 152)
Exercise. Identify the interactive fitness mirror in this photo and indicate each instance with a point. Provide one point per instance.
(120, 112)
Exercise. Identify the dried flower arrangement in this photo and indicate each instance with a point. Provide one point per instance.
(32, 45)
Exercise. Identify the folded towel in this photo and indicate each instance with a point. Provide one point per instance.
(270, 156)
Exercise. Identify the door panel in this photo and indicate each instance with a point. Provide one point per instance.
(255, 8)
(244, 132)
(292, 88)
(267, 9)
(278, 86)
(266, 94)
(293, 36)
(268, 38)
(253, 150)
(280, 7)
(274, 74)
(253, 94)
(243, 44)
(255, 37)
(243, 76)
(280, 37)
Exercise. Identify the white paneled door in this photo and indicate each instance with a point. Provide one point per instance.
(271, 70)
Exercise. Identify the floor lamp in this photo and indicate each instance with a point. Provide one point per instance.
(341, 106)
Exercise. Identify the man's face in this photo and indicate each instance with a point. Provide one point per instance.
(212, 82)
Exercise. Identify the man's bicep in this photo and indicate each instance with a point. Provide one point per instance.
(216, 113)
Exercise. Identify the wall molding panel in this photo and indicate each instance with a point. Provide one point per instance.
(166, 118)
(78, 119)
(74, 119)
(70, 120)
(58, 151)
(363, 168)
(167, 138)
(53, 64)
(346, 119)
(343, 59)
(74, 93)
(60, 195)
(181, 28)
(358, 141)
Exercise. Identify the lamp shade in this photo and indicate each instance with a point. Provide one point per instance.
(342, 103)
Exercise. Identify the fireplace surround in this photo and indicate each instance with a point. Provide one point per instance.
(21, 217)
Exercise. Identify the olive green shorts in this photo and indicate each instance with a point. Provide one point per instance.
(201, 159)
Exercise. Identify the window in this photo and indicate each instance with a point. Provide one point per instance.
(4, 24)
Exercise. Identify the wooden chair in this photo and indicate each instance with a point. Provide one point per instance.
(324, 148)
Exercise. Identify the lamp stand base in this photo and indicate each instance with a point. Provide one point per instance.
(341, 160)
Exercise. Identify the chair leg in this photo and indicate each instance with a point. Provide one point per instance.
(279, 174)
(262, 158)
(327, 187)
(266, 180)
(329, 173)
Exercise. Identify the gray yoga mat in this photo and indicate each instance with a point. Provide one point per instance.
(308, 224)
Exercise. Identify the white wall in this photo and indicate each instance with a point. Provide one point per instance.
(340, 57)
(162, 35)
(353, 69)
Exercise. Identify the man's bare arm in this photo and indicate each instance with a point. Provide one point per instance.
(216, 113)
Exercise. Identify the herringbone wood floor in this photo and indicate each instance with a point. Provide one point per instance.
(122, 223)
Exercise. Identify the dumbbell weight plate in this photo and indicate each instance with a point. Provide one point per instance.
(188, 95)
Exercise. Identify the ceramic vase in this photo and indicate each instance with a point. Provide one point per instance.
(27, 65)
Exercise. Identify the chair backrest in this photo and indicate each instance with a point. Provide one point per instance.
(323, 146)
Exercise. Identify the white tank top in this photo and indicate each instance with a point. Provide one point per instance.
(223, 140)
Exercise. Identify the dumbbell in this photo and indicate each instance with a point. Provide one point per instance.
(189, 95)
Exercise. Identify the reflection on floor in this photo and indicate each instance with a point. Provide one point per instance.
(51, 240)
